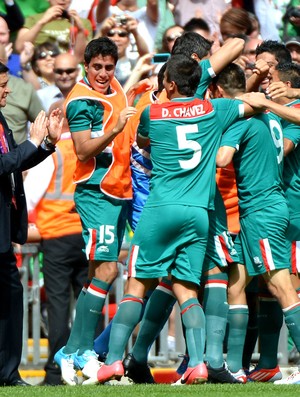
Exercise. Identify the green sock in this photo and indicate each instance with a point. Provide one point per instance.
(237, 326)
(93, 305)
(74, 340)
(270, 320)
(292, 320)
(157, 312)
(193, 320)
(124, 322)
(215, 307)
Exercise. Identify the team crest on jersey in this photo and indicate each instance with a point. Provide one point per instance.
(178, 110)
(103, 248)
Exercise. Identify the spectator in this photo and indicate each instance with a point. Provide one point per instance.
(198, 25)
(59, 25)
(235, 22)
(22, 105)
(293, 45)
(66, 71)
(269, 16)
(12, 15)
(147, 16)
(39, 72)
(169, 37)
(65, 267)
(210, 11)
(15, 62)
(15, 159)
(119, 31)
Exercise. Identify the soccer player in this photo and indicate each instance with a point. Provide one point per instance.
(183, 182)
(195, 46)
(97, 113)
(264, 215)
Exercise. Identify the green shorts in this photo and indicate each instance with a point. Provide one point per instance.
(261, 243)
(293, 238)
(169, 239)
(220, 249)
(103, 222)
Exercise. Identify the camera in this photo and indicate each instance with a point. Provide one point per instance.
(65, 14)
(121, 20)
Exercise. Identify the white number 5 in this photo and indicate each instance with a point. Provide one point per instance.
(184, 143)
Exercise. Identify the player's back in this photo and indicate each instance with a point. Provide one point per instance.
(258, 169)
(184, 140)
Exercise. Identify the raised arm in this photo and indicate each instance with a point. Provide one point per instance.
(230, 50)
(26, 34)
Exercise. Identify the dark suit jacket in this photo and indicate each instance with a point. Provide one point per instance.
(14, 221)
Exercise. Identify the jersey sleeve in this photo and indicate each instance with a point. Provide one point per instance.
(234, 134)
(228, 111)
(207, 74)
(292, 132)
(84, 115)
(144, 126)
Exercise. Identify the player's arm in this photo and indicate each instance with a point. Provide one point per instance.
(258, 101)
(280, 89)
(142, 141)
(288, 146)
(86, 146)
(225, 155)
(229, 51)
(142, 138)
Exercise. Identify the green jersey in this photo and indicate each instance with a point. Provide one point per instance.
(256, 162)
(206, 78)
(184, 135)
(291, 169)
(85, 114)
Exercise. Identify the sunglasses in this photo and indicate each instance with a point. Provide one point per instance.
(67, 71)
(120, 33)
(44, 54)
(173, 37)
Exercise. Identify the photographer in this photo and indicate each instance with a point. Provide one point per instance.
(58, 25)
(122, 30)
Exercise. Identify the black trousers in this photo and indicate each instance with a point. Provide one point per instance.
(11, 318)
(65, 267)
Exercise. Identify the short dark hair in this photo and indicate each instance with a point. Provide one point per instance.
(192, 43)
(279, 50)
(102, 46)
(232, 79)
(289, 72)
(3, 68)
(160, 77)
(196, 23)
(185, 72)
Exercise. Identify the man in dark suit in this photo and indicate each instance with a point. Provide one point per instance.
(14, 159)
